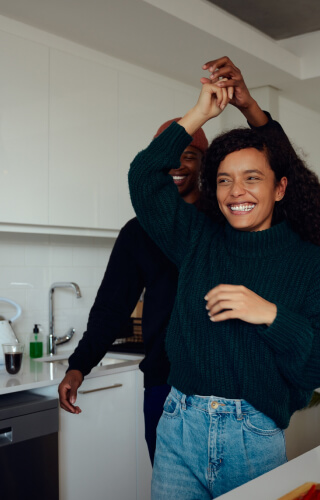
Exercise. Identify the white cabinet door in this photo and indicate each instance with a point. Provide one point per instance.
(23, 131)
(83, 143)
(144, 468)
(143, 107)
(97, 448)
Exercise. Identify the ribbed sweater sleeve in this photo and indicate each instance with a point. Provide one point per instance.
(171, 222)
(295, 339)
(269, 127)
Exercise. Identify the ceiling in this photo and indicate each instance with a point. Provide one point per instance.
(276, 18)
(175, 37)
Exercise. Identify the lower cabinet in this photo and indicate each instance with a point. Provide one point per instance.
(102, 453)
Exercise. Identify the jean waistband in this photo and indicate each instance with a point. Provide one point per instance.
(214, 404)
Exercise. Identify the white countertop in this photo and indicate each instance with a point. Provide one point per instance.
(280, 481)
(46, 371)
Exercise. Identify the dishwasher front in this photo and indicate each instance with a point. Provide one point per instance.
(29, 447)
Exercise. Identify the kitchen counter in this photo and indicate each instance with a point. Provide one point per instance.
(46, 371)
(280, 481)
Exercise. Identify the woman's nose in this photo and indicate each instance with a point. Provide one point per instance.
(237, 188)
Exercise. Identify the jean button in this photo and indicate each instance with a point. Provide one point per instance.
(214, 405)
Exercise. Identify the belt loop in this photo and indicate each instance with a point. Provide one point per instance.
(239, 411)
(183, 402)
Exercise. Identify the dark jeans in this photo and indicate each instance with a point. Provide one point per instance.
(154, 398)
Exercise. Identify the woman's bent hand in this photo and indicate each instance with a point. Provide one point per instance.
(211, 102)
(238, 302)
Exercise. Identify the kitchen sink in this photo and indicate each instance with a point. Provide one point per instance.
(106, 362)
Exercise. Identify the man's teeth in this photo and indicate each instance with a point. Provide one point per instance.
(241, 208)
(178, 177)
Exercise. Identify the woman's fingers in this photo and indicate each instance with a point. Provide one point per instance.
(204, 80)
(230, 91)
(224, 98)
(225, 301)
(223, 289)
(218, 98)
(224, 315)
(236, 301)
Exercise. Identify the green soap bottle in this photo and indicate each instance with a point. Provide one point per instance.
(36, 344)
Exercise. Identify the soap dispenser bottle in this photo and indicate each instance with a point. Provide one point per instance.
(36, 344)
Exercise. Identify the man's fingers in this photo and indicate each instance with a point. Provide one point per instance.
(216, 63)
(226, 71)
(65, 405)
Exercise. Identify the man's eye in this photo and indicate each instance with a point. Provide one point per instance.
(253, 178)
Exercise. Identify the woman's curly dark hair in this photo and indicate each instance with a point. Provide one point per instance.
(301, 203)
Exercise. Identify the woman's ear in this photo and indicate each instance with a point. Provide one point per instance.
(281, 188)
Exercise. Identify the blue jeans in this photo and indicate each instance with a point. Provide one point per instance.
(206, 446)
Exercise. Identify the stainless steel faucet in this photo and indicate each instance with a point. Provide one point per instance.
(53, 341)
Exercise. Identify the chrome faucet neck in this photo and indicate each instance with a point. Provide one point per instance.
(53, 341)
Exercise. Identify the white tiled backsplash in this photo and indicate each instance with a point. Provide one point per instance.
(30, 263)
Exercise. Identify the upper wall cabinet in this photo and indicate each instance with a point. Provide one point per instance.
(143, 107)
(83, 132)
(71, 122)
(23, 131)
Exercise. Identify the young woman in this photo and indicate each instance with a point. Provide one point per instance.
(244, 336)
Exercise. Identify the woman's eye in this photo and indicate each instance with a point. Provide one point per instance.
(223, 181)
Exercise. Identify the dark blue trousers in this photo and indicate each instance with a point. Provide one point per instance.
(154, 398)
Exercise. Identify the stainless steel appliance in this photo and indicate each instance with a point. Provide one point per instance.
(28, 447)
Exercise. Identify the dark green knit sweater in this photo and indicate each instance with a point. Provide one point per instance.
(274, 368)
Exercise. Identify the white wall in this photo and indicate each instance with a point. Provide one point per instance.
(302, 125)
(29, 264)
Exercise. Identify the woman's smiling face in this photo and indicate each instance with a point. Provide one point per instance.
(247, 190)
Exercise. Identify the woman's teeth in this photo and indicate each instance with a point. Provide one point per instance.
(178, 177)
(241, 208)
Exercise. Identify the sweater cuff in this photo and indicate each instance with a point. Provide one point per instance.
(173, 140)
(266, 126)
(288, 332)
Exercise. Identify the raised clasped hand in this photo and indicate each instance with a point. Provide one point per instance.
(212, 100)
(226, 75)
(238, 302)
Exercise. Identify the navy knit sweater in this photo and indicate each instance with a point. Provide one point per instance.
(274, 368)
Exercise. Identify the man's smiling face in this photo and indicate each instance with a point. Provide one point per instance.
(186, 178)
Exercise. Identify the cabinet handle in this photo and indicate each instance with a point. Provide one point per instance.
(101, 389)
(6, 436)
